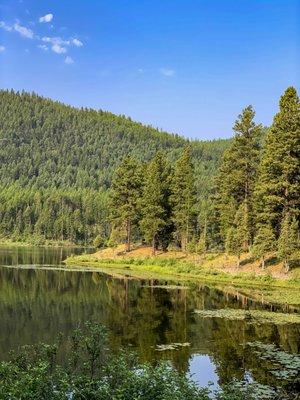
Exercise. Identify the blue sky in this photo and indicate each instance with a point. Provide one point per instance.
(186, 66)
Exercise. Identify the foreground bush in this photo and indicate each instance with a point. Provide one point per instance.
(89, 372)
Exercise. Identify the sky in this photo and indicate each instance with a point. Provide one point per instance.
(184, 66)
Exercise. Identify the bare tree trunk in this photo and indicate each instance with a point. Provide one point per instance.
(263, 262)
(238, 262)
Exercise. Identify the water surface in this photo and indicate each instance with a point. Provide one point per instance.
(37, 303)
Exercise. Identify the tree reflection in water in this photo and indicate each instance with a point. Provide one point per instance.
(36, 305)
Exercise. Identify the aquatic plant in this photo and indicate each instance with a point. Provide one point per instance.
(251, 316)
(285, 366)
(171, 346)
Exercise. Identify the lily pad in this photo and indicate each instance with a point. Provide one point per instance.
(251, 316)
(171, 346)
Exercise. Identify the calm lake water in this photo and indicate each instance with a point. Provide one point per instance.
(38, 301)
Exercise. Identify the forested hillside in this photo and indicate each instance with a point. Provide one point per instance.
(50, 151)
(47, 144)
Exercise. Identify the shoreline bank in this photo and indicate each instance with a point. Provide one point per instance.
(279, 291)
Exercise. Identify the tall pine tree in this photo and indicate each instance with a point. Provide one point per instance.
(125, 197)
(264, 242)
(288, 242)
(155, 202)
(237, 173)
(278, 187)
(183, 199)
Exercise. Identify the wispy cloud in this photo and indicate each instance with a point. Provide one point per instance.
(140, 70)
(43, 47)
(63, 42)
(16, 27)
(77, 42)
(23, 31)
(6, 27)
(57, 44)
(58, 49)
(69, 60)
(46, 18)
(56, 40)
(2, 49)
(167, 72)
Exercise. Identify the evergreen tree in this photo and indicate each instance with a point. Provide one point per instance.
(288, 242)
(242, 224)
(202, 242)
(264, 242)
(114, 239)
(278, 187)
(155, 208)
(237, 239)
(231, 244)
(183, 199)
(237, 173)
(125, 197)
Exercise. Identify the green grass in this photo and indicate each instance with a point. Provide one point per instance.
(172, 267)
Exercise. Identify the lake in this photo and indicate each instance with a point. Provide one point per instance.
(39, 300)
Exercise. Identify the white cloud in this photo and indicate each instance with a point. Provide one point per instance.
(56, 40)
(69, 60)
(56, 43)
(167, 72)
(2, 49)
(57, 48)
(23, 31)
(5, 26)
(77, 43)
(46, 18)
(16, 27)
(43, 47)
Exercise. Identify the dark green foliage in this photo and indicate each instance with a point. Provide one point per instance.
(90, 372)
(237, 174)
(54, 149)
(183, 199)
(238, 234)
(264, 242)
(125, 197)
(47, 144)
(155, 205)
(288, 242)
(278, 186)
(52, 214)
(57, 164)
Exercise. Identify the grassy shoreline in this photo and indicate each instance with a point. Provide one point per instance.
(48, 243)
(172, 267)
(279, 291)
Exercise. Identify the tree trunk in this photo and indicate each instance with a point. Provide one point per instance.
(153, 245)
(128, 234)
(238, 262)
(287, 266)
(263, 262)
